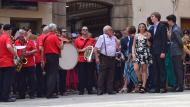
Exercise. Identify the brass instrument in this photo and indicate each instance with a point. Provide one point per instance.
(88, 53)
(22, 60)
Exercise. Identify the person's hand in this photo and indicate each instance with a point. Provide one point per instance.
(134, 56)
(148, 35)
(97, 61)
(26, 53)
(64, 39)
(162, 55)
(42, 64)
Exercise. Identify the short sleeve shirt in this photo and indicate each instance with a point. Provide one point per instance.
(79, 44)
(51, 44)
(6, 57)
(29, 47)
(106, 45)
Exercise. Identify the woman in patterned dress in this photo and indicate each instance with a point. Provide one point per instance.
(141, 54)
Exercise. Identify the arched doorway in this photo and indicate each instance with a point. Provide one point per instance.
(92, 14)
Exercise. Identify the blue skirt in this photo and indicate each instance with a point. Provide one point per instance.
(130, 74)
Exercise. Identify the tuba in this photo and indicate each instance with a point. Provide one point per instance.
(88, 53)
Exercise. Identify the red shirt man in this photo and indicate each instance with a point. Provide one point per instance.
(30, 46)
(39, 42)
(82, 43)
(52, 44)
(6, 57)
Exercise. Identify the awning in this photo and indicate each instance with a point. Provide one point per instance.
(36, 0)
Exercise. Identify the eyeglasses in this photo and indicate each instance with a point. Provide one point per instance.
(84, 29)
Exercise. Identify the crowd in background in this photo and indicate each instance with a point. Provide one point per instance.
(149, 58)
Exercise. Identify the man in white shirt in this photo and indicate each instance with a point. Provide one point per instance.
(105, 51)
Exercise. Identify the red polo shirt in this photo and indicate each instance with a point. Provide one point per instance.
(29, 47)
(6, 57)
(39, 42)
(51, 44)
(79, 42)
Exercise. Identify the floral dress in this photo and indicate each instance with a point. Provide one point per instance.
(143, 55)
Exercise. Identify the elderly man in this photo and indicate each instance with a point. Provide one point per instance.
(105, 50)
(52, 46)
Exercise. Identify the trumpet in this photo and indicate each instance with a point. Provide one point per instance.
(88, 53)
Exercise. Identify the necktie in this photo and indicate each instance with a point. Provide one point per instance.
(155, 28)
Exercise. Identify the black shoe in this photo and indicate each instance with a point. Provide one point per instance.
(53, 96)
(32, 97)
(10, 100)
(163, 91)
(81, 93)
(21, 97)
(40, 96)
(91, 92)
(100, 93)
(153, 91)
(142, 90)
(112, 92)
(179, 89)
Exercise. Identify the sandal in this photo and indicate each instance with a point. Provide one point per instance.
(136, 90)
(123, 90)
(139, 84)
(142, 90)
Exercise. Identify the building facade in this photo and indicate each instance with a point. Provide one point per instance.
(72, 14)
(26, 14)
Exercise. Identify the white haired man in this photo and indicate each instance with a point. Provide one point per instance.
(105, 51)
(52, 46)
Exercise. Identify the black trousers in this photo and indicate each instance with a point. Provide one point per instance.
(178, 70)
(150, 82)
(106, 74)
(51, 67)
(85, 76)
(26, 81)
(62, 80)
(6, 79)
(159, 72)
(41, 81)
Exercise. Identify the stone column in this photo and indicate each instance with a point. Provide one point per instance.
(59, 13)
(121, 14)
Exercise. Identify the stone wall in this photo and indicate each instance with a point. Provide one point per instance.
(44, 12)
(121, 13)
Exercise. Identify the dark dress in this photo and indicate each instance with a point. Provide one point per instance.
(143, 55)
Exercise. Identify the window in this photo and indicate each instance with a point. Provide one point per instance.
(17, 4)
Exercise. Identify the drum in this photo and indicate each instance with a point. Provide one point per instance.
(69, 57)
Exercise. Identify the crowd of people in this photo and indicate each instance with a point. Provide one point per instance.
(147, 59)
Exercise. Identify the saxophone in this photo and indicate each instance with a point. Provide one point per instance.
(19, 62)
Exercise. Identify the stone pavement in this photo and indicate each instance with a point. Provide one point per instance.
(119, 100)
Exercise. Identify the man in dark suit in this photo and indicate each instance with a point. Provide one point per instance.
(176, 47)
(159, 43)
